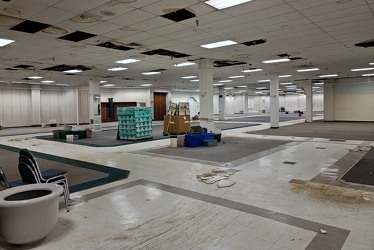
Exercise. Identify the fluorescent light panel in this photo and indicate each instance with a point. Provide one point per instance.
(306, 70)
(331, 75)
(263, 81)
(285, 83)
(277, 60)
(218, 44)
(362, 69)
(229, 88)
(125, 61)
(146, 85)
(188, 77)
(251, 70)
(117, 69)
(196, 80)
(218, 84)
(4, 42)
(48, 81)
(371, 63)
(242, 86)
(222, 4)
(34, 77)
(151, 73)
(109, 85)
(282, 76)
(73, 71)
(232, 77)
(225, 81)
(368, 75)
(184, 64)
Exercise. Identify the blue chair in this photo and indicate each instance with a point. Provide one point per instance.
(57, 176)
(4, 182)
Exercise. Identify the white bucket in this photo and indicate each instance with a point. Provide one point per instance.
(69, 138)
(173, 142)
(44, 125)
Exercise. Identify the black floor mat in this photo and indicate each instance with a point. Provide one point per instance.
(363, 171)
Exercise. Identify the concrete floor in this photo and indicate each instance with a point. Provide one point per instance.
(163, 206)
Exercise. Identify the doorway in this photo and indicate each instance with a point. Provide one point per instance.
(159, 106)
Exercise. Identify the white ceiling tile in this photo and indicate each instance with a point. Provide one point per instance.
(306, 4)
(340, 14)
(263, 14)
(27, 9)
(131, 18)
(151, 24)
(101, 28)
(171, 28)
(328, 7)
(278, 19)
(158, 8)
(116, 10)
(78, 6)
(52, 16)
(120, 33)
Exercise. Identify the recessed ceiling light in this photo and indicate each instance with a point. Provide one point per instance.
(151, 73)
(331, 75)
(285, 83)
(236, 77)
(196, 80)
(316, 87)
(117, 69)
(258, 92)
(4, 42)
(261, 88)
(242, 86)
(47, 81)
(73, 71)
(127, 61)
(277, 60)
(306, 70)
(225, 81)
(218, 84)
(62, 84)
(188, 77)
(368, 75)
(109, 85)
(222, 4)
(218, 44)
(184, 64)
(146, 85)
(285, 76)
(103, 81)
(229, 88)
(371, 63)
(251, 70)
(291, 87)
(362, 69)
(34, 77)
(263, 80)
(319, 83)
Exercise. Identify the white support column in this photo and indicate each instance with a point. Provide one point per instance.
(35, 105)
(77, 100)
(206, 94)
(94, 103)
(274, 101)
(309, 101)
(245, 103)
(328, 102)
(221, 100)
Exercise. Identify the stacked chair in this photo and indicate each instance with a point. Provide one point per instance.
(31, 173)
(4, 182)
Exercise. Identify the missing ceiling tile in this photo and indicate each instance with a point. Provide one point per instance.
(255, 42)
(77, 36)
(179, 15)
(366, 44)
(30, 26)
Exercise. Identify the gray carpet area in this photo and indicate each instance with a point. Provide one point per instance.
(330, 130)
(363, 171)
(228, 150)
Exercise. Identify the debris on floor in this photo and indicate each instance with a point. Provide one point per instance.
(21, 139)
(217, 175)
(323, 231)
(361, 149)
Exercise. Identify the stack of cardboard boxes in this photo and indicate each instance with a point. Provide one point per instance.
(177, 121)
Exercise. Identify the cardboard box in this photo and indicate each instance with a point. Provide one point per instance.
(177, 124)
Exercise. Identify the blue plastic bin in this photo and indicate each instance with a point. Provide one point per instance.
(208, 136)
(193, 140)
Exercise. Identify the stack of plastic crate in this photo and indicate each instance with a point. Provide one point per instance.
(134, 123)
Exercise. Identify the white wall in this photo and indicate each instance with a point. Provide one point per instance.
(60, 105)
(15, 107)
(125, 95)
(354, 102)
(191, 97)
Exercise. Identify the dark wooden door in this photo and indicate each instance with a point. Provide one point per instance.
(159, 106)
